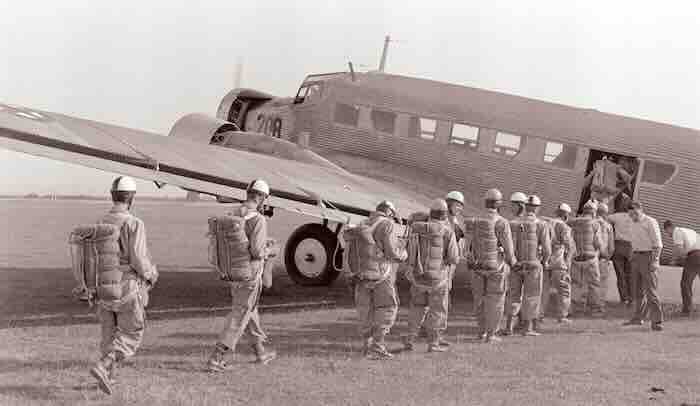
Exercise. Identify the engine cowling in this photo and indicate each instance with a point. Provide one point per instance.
(235, 105)
(201, 128)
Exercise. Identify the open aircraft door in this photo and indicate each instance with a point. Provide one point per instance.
(610, 180)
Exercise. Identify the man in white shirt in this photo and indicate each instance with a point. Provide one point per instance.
(646, 251)
(686, 252)
(622, 255)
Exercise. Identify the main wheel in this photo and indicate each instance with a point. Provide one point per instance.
(308, 255)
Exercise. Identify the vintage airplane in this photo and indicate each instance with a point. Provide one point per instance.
(350, 139)
(457, 137)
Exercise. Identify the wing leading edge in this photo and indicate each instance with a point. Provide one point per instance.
(299, 187)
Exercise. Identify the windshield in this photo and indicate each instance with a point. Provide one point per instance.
(309, 92)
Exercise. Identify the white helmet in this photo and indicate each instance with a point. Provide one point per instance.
(493, 194)
(534, 200)
(455, 195)
(590, 205)
(438, 205)
(385, 205)
(564, 207)
(259, 185)
(518, 197)
(123, 184)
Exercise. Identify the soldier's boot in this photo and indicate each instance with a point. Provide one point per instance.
(536, 324)
(423, 332)
(443, 343)
(216, 362)
(434, 345)
(102, 371)
(366, 345)
(119, 357)
(492, 338)
(529, 330)
(263, 356)
(408, 342)
(522, 323)
(510, 324)
(378, 351)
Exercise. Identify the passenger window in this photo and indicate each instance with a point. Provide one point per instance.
(383, 121)
(427, 128)
(507, 144)
(463, 134)
(557, 154)
(346, 114)
(657, 173)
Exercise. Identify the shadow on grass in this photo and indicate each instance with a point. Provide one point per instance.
(41, 297)
(194, 336)
(30, 392)
(14, 365)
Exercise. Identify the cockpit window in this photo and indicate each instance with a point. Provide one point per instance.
(314, 92)
(309, 93)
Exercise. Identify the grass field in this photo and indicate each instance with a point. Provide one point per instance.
(49, 341)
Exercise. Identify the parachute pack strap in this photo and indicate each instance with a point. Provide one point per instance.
(91, 295)
(77, 253)
(337, 247)
(372, 229)
(374, 226)
(419, 256)
(251, 215)
(414, 248)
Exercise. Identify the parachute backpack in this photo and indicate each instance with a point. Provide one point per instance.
(583, 231)
(95, 255)
(525, 240)
(485, 246)
(229, 247)
(425, 250)
(360, 254)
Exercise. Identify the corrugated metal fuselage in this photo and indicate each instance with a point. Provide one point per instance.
(474, 170)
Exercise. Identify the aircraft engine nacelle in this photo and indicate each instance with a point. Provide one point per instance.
(201, 128)
(235, 105)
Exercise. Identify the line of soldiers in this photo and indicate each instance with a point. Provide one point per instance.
(510, 262)
(513, 265)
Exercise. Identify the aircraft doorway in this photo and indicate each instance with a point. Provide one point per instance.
(609, 180)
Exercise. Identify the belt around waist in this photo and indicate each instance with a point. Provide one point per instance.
(641, 252)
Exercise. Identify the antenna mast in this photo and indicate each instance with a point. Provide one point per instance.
(238, 73)
(382, 61)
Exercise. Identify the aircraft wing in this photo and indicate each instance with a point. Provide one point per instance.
(304, 188)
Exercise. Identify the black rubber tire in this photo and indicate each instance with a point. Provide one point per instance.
(329, 241)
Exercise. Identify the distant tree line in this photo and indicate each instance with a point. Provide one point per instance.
(86, 197)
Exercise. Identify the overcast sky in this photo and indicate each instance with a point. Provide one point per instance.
(144, 64)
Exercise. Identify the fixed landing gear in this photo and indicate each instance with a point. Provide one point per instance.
(312, 255)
